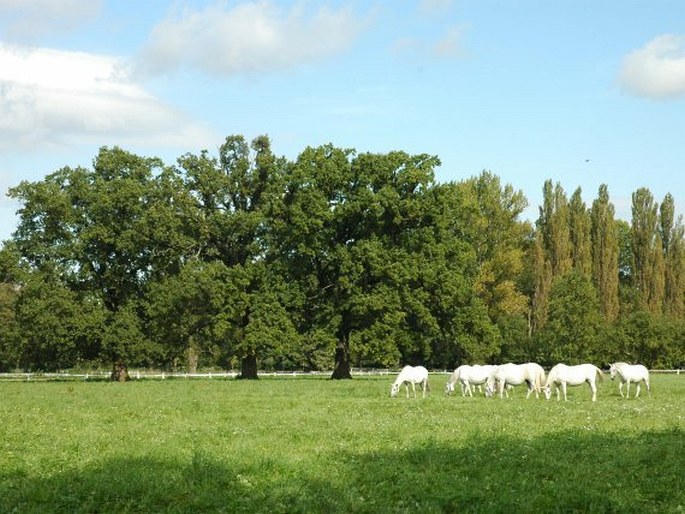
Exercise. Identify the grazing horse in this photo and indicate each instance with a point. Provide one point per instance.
(467, 376)
(628, 373)
(564, 375)
(454, 378)
(410, 375)
(510, 374)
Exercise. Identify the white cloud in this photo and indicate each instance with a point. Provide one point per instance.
(28, 19)
(447, 45)
(656, 70)
(52, 97)
(450, 45)
(252, 37)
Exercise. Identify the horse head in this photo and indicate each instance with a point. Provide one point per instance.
(394, 389)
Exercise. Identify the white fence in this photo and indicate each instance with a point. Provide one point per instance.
(162, 375)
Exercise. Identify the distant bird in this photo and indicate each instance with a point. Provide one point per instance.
(587, 160)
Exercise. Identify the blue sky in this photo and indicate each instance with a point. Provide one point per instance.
(579, 92)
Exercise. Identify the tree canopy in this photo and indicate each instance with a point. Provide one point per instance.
(333, 260)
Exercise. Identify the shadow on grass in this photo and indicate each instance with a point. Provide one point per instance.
(565, 472)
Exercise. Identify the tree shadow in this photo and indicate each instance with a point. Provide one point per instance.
(574, 471)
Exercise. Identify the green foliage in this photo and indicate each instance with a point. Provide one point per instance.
(58, 329)
(605, 254)
(650, 339)
(572, 331)
(10, 342)
(334, 259)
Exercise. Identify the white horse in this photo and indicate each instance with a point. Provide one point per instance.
(510, 374)
(467, 376)
(564, 375)
(628, 373)
(410, 375)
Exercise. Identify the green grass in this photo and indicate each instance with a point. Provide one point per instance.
(315, 445)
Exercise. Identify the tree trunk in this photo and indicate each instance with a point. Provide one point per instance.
(119, 372)
(342, 362)
(191, 357)
(248, 367)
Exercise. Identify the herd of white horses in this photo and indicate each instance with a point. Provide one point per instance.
(501, 379)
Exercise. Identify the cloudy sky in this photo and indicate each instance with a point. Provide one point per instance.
(580, 92)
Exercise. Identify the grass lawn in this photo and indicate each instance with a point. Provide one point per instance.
(316, 445)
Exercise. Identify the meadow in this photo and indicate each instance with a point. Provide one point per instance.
(316, 445)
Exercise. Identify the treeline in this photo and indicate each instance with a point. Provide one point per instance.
(336, 259)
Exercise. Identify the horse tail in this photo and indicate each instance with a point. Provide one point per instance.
(599, 373)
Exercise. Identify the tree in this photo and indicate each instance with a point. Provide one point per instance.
(552, 250)
(605, 254)
(10, 356)
(233, 196)
(657, 273)
(489, 217)
(366, 236)
(580, 234)
(183, 311)
(624, 235)
(555, 228)
(12, 277)
(574, 325)
(542, 273)
(644, 226)
(673, 240)
(58, 329)
(91, 229)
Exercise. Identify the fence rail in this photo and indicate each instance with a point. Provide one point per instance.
(163, 375)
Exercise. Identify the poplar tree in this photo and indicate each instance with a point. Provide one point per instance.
(552, 254)
(579, 221)
(605, 250)
(671, 231)
(559, 242)
(542, 273)
(657, 273)
(644, 227)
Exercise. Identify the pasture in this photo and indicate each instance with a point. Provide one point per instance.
(316, 445)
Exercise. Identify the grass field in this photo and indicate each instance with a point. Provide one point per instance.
(316, 445)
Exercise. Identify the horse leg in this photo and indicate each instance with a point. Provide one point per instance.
(563, 388)
(628, 389)
(413, 388)
(638, 390)
(594, 391)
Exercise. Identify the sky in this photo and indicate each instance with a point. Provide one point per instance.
(580, 92)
